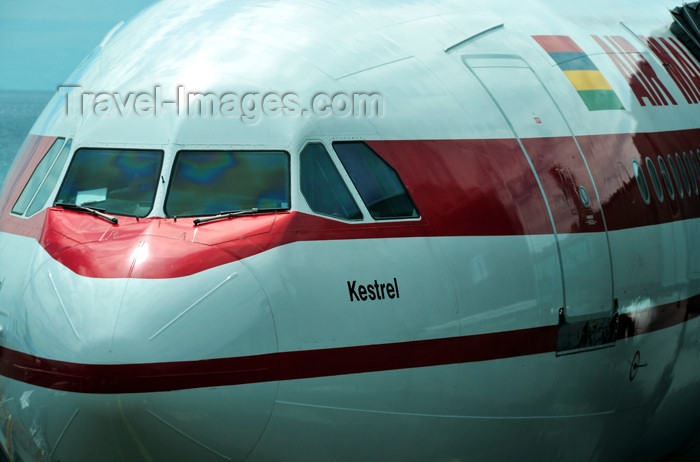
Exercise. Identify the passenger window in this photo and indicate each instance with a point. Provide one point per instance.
(38, 178)
(655, 181)
(122, 182)
(379, 185)
(691, 172)
(666, 177)
(696, 165)
(322, 186)
(213, 182)
(676, 177)
(684, 174)
(641, 181)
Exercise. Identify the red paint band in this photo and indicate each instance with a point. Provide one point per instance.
(472, 188)
(557, 43)
(292, 365)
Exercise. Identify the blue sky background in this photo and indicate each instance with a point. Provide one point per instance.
(42, 41)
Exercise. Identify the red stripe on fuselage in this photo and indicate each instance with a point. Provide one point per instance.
(461, 188)
(293, 365)
(557, 43)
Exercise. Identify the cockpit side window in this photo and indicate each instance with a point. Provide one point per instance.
(376, 181)
(214, 182)
(323, 187)
(44, 177)
(48, 185)
(122, 182)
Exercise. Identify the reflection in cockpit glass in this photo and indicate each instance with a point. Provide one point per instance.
(211, 182)
(121, 182)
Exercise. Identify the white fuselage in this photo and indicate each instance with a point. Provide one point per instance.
(540, 305)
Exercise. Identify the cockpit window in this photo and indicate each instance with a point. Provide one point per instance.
(122, 182)
(377, 182)
(212, 182)
(50, 182)
(323, 187)
(39, 180)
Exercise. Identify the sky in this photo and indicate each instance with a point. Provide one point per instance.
(42, 41)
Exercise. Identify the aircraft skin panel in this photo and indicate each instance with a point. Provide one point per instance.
(542, 304)
(335, 401)
(659, 263)
(477, 315)
(430, 69)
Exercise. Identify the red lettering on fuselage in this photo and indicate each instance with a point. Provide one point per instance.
(684, 72)
(639, 74)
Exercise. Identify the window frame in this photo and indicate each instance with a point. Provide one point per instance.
(223, 149)
(344, 179)
(684, 176)
(115, 148)
(359, 195)
(642, 184)
(61, 142)
(693, 154)
(655, 180)
(691, 172)
(668, 182)
(676, 175)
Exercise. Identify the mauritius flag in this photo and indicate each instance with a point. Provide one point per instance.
(589, 82)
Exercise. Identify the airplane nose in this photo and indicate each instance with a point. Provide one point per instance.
(207, 425)
(219, 312)
(142, 369)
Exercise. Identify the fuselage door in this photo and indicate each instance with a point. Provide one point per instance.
(588, 318)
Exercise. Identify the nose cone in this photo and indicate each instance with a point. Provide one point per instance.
(203, 425)
(221, 312)
(125, 369)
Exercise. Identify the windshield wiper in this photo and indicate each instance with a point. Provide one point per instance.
(89, 210)
(235, 213)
